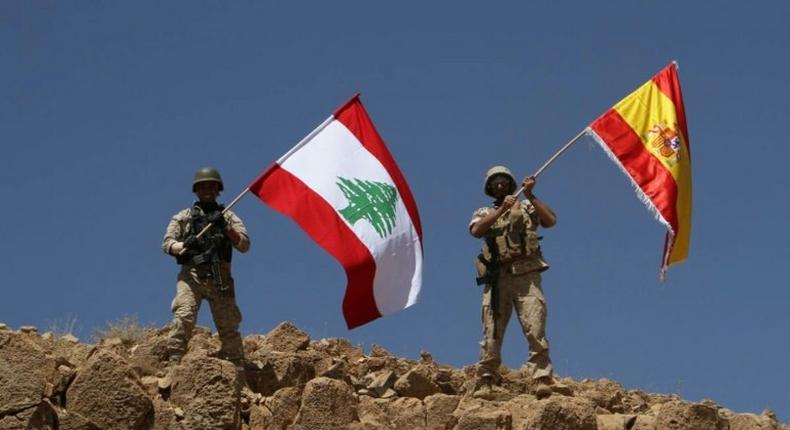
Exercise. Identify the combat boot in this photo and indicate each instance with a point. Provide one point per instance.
(237, 361)
(166, 377)
(543, 389)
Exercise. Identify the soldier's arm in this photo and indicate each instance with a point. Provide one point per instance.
(480, 228)
(173, 236)
(237, 232)
(546, 215)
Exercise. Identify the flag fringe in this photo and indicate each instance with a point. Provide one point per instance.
(670, 239)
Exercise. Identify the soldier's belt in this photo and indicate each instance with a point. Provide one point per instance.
(520, 267)
(204, 270)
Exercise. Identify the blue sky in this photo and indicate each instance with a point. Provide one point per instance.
(107, 108)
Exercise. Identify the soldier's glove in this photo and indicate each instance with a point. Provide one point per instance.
(217, 219)
(191, 242)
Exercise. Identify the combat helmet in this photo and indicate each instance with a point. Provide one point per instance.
(206, 174)
(499, 170)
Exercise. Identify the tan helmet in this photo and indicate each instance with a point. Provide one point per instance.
(499, 170)
(207, 174)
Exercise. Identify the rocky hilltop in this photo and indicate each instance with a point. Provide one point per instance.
(292, 382)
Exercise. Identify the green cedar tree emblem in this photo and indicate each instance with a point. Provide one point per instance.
(369, 200)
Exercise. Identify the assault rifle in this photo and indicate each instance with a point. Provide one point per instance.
(490, 277)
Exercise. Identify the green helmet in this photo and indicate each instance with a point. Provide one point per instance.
(499, 170)
(206, 174)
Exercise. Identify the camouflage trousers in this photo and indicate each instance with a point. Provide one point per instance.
(524, 293)
(192, 287)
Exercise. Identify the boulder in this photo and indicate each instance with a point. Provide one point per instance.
(326, 404)
(644, 422)
(636, 402)
(69, 338)
(208, 390)
(202, 344)
(485, 419)
(605, 394)
(286, 337)
(260, 419)
(616, 421)
(379, 351)
(395, 414)
(676, 415)
(439, 410)
(278, 411)
(26, 373)
(73, 354)
(74, 421)
(561, 413)
(165, 416)
(107, 393)
(274, 370)
(150, 355)
(40, 417)
(417, 383)
(379, 381)
(752, 422)
(336, 370)
(520, 407)
(340, 348)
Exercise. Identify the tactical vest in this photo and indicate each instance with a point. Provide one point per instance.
(511, 245)
(213, 241)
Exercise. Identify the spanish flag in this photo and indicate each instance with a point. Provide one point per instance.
(646, 135)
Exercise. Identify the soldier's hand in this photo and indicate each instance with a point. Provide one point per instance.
(217, 219)
(528, 184)
(190, 242)
(177, 248)
(508, 202)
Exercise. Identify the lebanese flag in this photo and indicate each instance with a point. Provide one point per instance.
(341, 185)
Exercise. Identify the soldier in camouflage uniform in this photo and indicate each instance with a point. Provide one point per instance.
(205, 268)
(510, 265)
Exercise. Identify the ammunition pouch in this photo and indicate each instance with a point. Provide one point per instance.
(519, 267)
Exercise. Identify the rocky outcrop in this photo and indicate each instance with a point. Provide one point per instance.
(27, 372)
(107, 393)
(206, 393)
(290, 382)
(326, 404)
(41, 416)
(286, 337)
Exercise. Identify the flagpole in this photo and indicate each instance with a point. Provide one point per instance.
(227, 208)
(554, 157)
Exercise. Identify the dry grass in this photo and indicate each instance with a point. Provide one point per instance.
(63, 327)
(127, 328)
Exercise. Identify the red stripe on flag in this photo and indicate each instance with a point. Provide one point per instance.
(644, 168)
(668, 83)
(288, 195)
(353, 115)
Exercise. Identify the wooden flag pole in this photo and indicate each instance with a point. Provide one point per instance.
(554, 157)
(227, 208)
